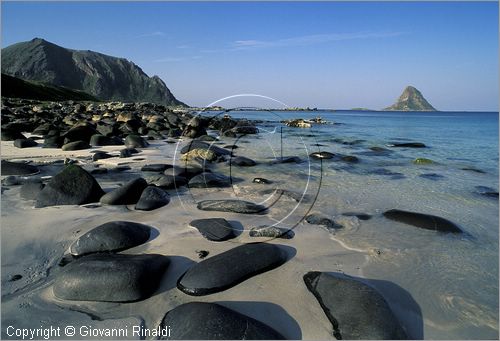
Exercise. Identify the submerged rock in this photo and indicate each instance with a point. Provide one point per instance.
(322, 155)
(152, 198)
(487, 191)
(408, 145)
(205, 180)
(360, 216)
(211, 321)
(423, 161)
(110, 277)
(236, 206)
(113, 236)
(215, 229)
(230, 268)
(72, 186)
(356, 310)
(425, 221)
(261, 181)
(243, 161)
(318, 219)
(431, 176)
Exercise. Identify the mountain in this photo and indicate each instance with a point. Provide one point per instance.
(17, 88)
(105, 77)
(411, 100)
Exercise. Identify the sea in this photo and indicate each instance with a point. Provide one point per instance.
(452, 278)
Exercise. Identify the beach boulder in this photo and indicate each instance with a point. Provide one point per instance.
(18, 168)
(76, 145)
(215, 229)
(205, 180)
(135, 141)
(110, 277)
(211, 321)
(113, 236)
(243, 161)
(126, 194)
(152, 197)
(425, 221)
(72, 186)
(229, 268)
(356, 310)
(25, 143)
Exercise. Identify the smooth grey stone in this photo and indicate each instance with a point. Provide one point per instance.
(100, 156)
(425, 221)
(271, 232)
(101, 140)
(135, 141)
(298, 197)
(152, 198)
(318, 219)
(126, 194)
(18, 168)
(215, 229)
(211, 321)
(356, 310)
(72, 186)
(113, 236)
(76, 145)
(230, 268)
(195, 144)
(110, 277)
(157, 167)
(25, 143)
(236, 206)
(205, 180)
(30, 190)
(243, 161)
(166, 181)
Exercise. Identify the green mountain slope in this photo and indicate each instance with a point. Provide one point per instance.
(17, 88)
(411, 100)
(105, 77)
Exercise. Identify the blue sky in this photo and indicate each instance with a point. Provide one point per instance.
(316, 54)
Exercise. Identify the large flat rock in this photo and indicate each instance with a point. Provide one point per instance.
(211, 321)
(229, 268)
(356, 310)
(113, 236)
(110, 277)
(231, 205)
(215, 229)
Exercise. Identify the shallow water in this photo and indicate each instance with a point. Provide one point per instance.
(452, 278)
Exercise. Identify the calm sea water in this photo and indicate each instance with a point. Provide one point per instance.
(453, 279)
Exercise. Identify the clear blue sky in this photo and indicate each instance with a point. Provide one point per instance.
(318, 54)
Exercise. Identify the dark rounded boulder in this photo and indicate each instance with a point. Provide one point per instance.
(126, 194)
(243, 161)
(113, 236)
(101, 140)
(205, 180)
(167, 181)
(29, 190)
(214, 229)
(76, 145)
(80, 133)
(318, 219)
(152, 197)
(100, 156)
(111, 277)
(356, 310)
(211, 321)
(135, 141)
(72, 186)
(425, 221)
(25, 143)
(156, 167)
(230, 268)
(11, 135)
(18, 168)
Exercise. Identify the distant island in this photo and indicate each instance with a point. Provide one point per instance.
(411, 100)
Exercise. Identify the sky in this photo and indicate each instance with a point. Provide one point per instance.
(305, 54)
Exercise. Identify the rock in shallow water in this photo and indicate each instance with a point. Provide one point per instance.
(425, 221)
(72, 186)
(271, 232)
(111, 277)
(356, 310)
(215, 229)
(206, 180)
(318, 219)
(229, 268)
(126, 194)
(113, 236)
(243, 161)
(236, 206)
(211, 321)
(152, 198)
